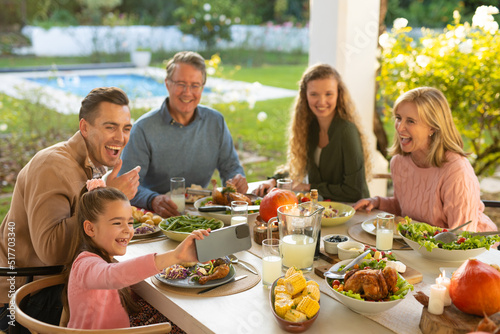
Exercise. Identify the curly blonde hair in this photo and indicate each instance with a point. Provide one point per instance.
(434, 111)
(302, 116)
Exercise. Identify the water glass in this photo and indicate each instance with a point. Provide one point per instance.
(271, 261)
(285, 184)
(385, 231)
(239, 212)
(178, 193)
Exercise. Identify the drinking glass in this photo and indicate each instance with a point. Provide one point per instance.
(385, 231)
(178, 193)
(285, 184)
(239, 212)
(271, 261)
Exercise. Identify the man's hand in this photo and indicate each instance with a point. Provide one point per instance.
(164, 206)
(264, 187)
(240, 183)
(127, 182)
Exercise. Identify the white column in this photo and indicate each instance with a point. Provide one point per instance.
(344, 33)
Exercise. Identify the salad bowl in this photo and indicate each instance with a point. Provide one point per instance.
(336, 213)
(447, 255)
(420, 237)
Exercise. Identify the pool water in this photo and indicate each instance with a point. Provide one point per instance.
(136, 86)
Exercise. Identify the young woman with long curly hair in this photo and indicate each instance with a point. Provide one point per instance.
(326, 145)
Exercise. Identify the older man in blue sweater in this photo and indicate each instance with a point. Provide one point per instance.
(181, 138)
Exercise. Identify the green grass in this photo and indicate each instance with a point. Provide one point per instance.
(4, 207)
(283, 76)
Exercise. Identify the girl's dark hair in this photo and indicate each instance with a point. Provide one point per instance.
(91, 205)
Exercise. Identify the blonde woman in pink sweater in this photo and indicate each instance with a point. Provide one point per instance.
(98, 294)
(433, 180)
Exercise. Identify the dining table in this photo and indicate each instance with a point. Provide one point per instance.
(249, 311)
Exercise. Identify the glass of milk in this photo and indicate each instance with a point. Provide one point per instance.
(385, 231)
(271, 261)
(178, 193)
(239, 212)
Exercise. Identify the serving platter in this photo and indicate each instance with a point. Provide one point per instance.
(190, 284)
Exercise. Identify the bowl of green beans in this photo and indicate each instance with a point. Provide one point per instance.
(179, 227)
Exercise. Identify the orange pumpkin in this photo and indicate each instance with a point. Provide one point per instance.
(475, 288)
(273, 200)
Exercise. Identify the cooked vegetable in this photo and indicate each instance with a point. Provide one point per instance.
(295, 283)
(295, 316)
(308, 306)
(281, 306)
(311, 291)
(188, 223)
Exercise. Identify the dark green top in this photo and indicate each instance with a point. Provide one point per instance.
(341, 172)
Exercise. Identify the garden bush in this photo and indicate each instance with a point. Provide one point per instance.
(463, 62)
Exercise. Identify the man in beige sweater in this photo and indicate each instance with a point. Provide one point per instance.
(40, 224)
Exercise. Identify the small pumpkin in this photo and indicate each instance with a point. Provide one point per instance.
(273, 200)
(475, 288)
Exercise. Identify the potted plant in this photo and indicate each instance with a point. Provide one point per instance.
(141, 56)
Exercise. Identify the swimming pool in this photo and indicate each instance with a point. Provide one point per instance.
(145, 87)
(136, 86)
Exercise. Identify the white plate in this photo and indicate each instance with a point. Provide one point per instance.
(369, 227)
(156, 232)
(226, 218)
(190, 284)
(439, 254)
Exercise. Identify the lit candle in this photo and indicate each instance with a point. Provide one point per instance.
(436, 300)
(445, 281)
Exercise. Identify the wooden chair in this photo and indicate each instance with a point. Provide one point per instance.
(37, 327)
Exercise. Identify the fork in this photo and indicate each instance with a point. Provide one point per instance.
(341, 274)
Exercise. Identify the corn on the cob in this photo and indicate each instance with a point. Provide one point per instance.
(295, 316)
(282, 295)
(311, 291)
(281, 281)
(308, 306)
(297, 300)
(291, 271)
(279, 288)
(295, 283)
(311, 282)
(281, 306)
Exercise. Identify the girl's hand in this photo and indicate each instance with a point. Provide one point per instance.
(367, 203)
(186, 251)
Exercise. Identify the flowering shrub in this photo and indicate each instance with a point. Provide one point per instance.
(209, 21)
(463, 62)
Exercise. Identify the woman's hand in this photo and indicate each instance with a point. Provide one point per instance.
(264, 188)
(367, 204)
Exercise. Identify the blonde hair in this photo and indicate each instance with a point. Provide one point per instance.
(434, 111)
(302, 116)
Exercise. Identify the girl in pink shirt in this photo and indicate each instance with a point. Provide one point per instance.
(98, 294)
(433, 180)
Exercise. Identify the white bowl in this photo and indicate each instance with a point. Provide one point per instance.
(350, 249)
(345, 212)
(331, 247)
(226, 218)
(439, 254)
(361, 306)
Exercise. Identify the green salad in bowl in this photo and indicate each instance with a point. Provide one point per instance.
(423, 234)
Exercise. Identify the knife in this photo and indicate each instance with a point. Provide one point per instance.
(216, 208)
(202, 192)
(214, 287)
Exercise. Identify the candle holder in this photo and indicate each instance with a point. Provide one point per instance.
(260, 231)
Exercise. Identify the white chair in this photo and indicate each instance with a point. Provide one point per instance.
(37, 327)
